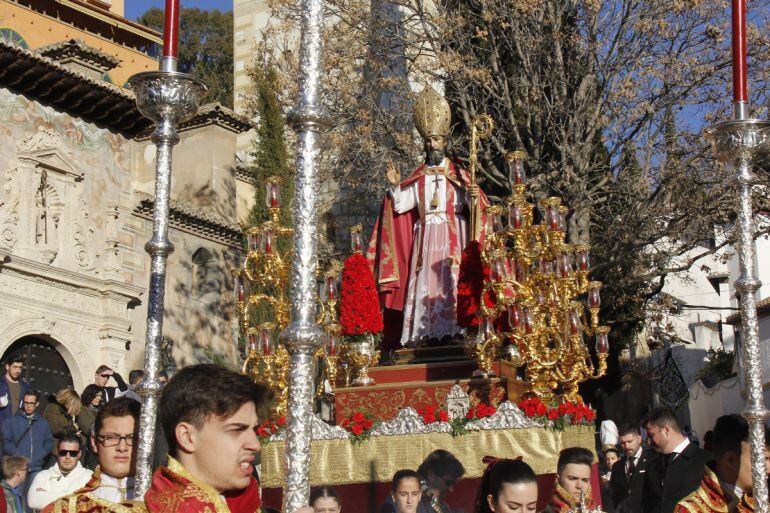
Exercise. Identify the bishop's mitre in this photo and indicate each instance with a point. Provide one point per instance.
(431, 114)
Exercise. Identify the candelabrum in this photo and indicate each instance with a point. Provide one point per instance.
(328, 319)
(543, 303)
(167, 98)
(740, 143)
(261, 287)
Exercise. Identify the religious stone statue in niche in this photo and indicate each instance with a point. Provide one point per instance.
(47, 218)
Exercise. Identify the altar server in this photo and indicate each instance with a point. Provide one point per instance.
(573, 480)
(114, 441)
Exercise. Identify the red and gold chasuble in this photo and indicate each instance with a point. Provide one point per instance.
(174, 490)
(84, 501)
(711, 498)
(391, 242)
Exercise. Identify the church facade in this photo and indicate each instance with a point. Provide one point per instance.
(77, 172)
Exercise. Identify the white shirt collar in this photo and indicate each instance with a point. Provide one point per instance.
(638, 455)
(681, 446)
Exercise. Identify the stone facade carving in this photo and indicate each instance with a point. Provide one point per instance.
(9, 206)
(72, 241)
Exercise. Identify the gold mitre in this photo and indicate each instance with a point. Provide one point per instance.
(431, 114)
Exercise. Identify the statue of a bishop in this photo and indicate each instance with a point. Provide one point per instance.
(419, 236)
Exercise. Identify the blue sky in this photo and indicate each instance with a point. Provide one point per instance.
(135, 8)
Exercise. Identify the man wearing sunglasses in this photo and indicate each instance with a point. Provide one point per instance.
(102, 377)
(114, 441)
(66, 476)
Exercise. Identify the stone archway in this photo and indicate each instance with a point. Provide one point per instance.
(50, 332)
(44, 367)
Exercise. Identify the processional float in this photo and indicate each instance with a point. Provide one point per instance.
(740, 143)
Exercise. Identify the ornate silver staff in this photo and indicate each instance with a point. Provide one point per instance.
(303, 336)
(168, 98)
(739, 142)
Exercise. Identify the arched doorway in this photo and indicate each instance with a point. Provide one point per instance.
(44, 368)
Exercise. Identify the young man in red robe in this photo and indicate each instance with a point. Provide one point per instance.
(114, 442)
(573, 480)
(727, 480)
(209, 417)
(422, 229)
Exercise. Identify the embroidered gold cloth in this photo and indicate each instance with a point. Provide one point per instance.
(336, 462)
(711, 498)
(84, 501)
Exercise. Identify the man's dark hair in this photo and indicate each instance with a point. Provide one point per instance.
(200, 391)
(574, 455)
(629, 429)
(729, 431)
(102, 368)
(68, 436)
(661, 417)
(401, 475)
(135, 376)
(441, 463)
(17, 358)
(118, 407)
(30, 393)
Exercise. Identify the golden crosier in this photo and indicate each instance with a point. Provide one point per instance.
(539, 281)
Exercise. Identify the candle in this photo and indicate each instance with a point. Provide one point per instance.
(739, 51)
(171, 29)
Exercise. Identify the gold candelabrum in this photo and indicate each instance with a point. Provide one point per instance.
(262, 302)
(261, 289)
(328, 318)
(540, 286)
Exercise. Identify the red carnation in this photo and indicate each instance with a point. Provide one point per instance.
(281, 421)
(443, 416)
(359, 305)
(358, 417)
(553, 414)
(470, 283)
(368, 423)
(357, 429)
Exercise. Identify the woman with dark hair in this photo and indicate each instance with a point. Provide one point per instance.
(508, 486)
(325, 499)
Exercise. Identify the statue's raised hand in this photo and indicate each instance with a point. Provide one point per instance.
(391, 173)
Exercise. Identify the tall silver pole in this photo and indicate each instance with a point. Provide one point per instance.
(168, 98)
(303, 336)
(737, 143)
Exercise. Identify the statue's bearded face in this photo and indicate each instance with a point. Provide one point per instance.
(435, 150)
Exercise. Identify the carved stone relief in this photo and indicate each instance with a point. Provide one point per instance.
(9, 206)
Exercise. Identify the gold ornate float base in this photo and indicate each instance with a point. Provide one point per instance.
(336, 462)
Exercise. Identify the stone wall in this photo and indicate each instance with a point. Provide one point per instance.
(73, 269)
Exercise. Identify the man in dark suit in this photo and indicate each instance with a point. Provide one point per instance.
(677, 468)
(628, 473)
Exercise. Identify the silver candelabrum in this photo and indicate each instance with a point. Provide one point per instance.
(167, 98)
(303, 336)
(740, 143)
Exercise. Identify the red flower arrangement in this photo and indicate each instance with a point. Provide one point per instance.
(270, 427)
(360, 312)
(470, 283)
(560, 416)
(359, 425)
(481, 411)
(433, 414)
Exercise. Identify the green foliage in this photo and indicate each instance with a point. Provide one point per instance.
(718, 368)
(205, 48)
(271, 157)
